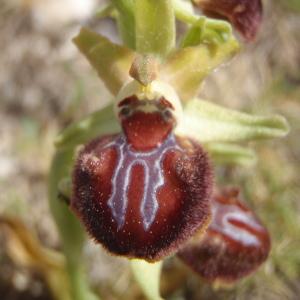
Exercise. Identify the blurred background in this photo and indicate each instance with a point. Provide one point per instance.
(45, 84)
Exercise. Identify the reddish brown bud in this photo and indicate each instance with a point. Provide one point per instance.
(143, 192)
(234, 245)
(245, 15)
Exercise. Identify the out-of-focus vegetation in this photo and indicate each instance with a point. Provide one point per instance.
(45, 84)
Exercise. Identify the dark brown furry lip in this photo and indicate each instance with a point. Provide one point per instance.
(234, 245)
(138, 229)
(245, 15)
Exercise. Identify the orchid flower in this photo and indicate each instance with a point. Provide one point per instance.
(142, 181)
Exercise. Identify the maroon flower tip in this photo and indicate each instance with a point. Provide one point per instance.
(245, 15)
(234, 245)
(142, 204)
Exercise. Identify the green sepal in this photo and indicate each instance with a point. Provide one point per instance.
(112, 62)
(97, 123)
(209, 122)
(186, 68)
(223, 153)
(155, 27)
(148, 277)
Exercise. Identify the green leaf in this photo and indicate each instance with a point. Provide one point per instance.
(70, 230)
(112, 62)
(126, 21)
(223, 153)
(186, 68)
(155, 27)
(148, 277)
(208, 31)
(96, 124)
(208, 122)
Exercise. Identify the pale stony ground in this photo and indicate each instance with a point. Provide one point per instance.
(45, 84)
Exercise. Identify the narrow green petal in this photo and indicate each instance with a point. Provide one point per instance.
(112, 62)
(96, 124)
(186, 68)
(155, 26)
(208, 122)
(184, 11)
(223, 153)
(148, 277)
(207, 31)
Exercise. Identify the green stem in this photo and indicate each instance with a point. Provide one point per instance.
(79, 283)
(148, 277)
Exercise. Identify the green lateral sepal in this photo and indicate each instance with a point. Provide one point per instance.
(98, 123)
(111, 61)
(186, 68)
(209, 122)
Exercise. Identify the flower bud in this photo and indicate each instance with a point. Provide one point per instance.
(245, 15)
(234, 245)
